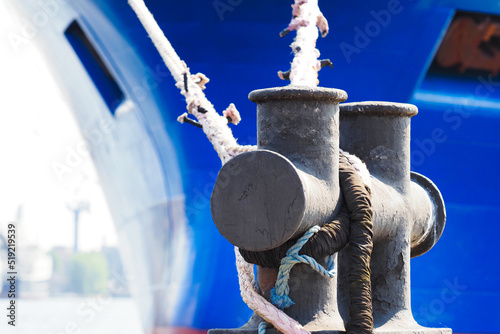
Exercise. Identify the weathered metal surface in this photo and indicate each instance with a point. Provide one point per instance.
(409, 213)
(379, 134)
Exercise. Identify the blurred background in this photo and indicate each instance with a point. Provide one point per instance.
(67, 252)
(110, 195)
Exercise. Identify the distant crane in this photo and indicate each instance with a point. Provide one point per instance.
(77, 208)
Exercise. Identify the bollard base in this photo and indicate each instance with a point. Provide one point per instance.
(420, 330)
(251, 327)
(268, 331)
(391, 327)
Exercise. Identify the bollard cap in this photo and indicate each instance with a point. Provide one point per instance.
(378, 108)
(303, 93)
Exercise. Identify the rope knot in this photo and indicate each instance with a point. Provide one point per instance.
(279, 295)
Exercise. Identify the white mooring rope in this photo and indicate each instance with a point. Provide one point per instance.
(307, 17)
(267, 311)
(219, 134)
(191, 86)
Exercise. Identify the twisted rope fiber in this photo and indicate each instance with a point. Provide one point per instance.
(219, 134)
(213, 124)
(331, 238)
(262, 327)
(358, 201)
(279, 295)
(259, 304)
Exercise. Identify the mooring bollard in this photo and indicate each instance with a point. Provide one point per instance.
(264, 198)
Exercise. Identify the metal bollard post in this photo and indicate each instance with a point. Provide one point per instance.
(409, 212)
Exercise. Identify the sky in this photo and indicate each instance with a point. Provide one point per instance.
(37, 130)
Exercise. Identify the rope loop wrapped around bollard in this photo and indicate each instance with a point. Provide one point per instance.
(279, 295)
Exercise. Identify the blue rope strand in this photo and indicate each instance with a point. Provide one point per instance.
(279, 295)
(262, 327)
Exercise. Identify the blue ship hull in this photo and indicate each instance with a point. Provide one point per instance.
(158, 175)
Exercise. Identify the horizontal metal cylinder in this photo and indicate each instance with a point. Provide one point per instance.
(261, 200)
(424, 211)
